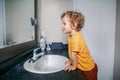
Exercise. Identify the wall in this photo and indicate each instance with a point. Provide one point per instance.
(49, 12)
(117, 44)
(99, 32)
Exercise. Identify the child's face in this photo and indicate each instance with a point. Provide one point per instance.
(66, 25)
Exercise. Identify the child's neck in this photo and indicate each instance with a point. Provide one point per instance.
(73, 32)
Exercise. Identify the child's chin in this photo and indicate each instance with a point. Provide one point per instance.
(64, 32)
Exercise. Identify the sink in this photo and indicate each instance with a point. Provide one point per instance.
(46, 64)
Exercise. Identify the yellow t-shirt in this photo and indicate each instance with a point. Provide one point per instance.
(77, 43)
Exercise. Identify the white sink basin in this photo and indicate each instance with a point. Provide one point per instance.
(46, 64)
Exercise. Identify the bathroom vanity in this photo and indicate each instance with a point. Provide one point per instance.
(19, 73)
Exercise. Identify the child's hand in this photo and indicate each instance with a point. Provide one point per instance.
(71, 66)
(67, 63)
(68, 66)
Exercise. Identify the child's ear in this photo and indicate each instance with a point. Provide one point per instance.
(75, 25)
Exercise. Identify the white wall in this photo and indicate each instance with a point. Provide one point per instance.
(99, 32)
(49, 12)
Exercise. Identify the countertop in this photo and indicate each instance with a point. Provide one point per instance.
(19, 73)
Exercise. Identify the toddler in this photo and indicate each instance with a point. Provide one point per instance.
(79, 54)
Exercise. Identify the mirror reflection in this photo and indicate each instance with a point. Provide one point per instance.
(16, 25)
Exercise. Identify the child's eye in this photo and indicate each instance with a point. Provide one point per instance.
(64, 23)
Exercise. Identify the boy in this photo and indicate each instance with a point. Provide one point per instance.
(72, 23)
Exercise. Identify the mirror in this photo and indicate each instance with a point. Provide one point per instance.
(16, 18)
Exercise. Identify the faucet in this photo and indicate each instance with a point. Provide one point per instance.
(36, 55)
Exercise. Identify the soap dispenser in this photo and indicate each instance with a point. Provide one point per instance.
(42, 41)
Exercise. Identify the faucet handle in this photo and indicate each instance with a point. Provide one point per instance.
(35, 51)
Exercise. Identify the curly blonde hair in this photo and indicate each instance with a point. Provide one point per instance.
(75, 16)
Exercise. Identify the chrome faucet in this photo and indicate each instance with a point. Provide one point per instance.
(36, 55)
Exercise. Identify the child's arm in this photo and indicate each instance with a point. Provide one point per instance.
(73, 65)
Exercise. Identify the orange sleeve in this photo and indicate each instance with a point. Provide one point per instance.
(75, 44)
